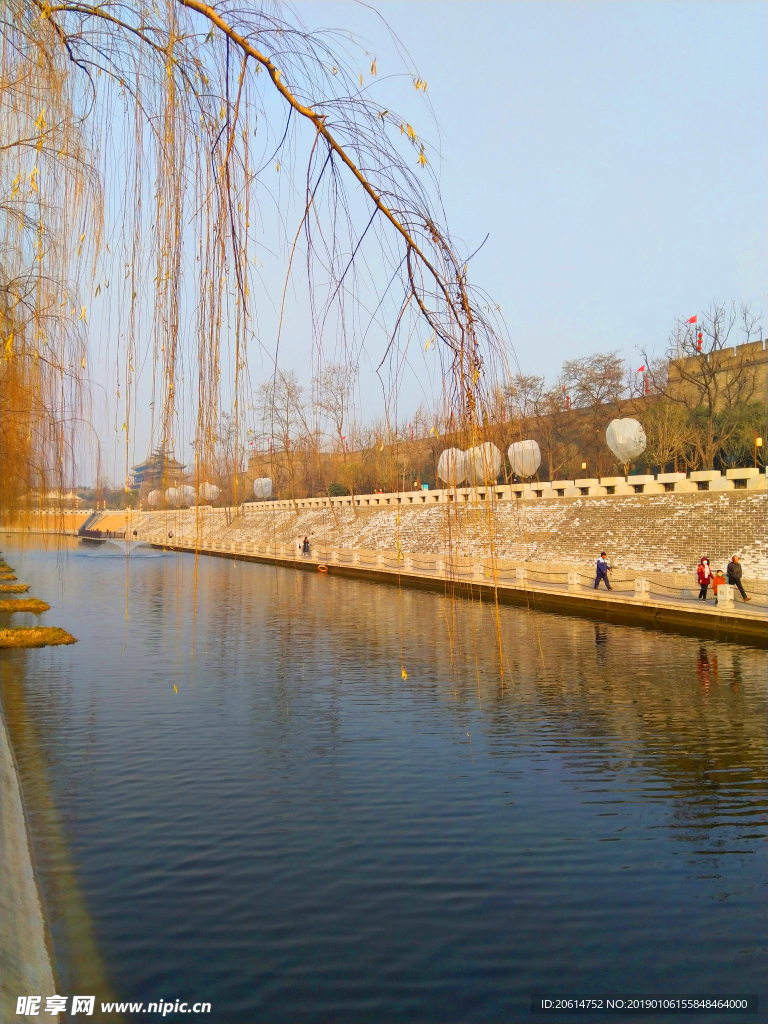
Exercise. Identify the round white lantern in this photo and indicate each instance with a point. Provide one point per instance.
(262, 487)
(524, 457)
(452, 467)
(187, 495)
(483, 464)
(208, 492)
(626, 439)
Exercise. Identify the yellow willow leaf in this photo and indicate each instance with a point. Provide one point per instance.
(98, 290)
(361, 78)
(82, 314)
(175, 688)
(422, 159)
(411, 134)
(125, 428)
(404, 674)
(383, 114)
(15, 185)
(426, 347)
(277, 74)
(373, 67)
(82, 362)
(9, 344)
(277, 168)
(40, 122)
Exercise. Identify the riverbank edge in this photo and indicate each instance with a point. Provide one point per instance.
(706, 623)
(25, 960)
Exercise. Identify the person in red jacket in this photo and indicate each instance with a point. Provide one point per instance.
(705, 578)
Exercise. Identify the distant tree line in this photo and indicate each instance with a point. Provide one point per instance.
(702, 405)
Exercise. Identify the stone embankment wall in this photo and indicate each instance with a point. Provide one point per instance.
(665, 533)
(25, 966)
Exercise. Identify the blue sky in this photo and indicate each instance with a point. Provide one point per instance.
(615, 152)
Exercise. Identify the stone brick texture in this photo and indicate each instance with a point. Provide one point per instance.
(662, 536)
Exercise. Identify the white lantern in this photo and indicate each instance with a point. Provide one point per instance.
(208, 492)
(172, 496)
(154, 498)
(524, 457)
(483, 464)
(452, 466)
(187, 495)
(262, 487)
(626, 439)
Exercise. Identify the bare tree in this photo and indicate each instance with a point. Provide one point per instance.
(281, 406)
(334, 387)
(668, 433)
(709, 375)
(597, 387)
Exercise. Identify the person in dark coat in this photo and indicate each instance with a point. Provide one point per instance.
(602, 571)
(704, 574)
(733, 571)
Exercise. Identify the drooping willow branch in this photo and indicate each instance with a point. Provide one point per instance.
(181, 93)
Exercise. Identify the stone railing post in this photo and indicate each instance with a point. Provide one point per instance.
(573, 582)
(521, 575)
(642, 590)
(725, 597)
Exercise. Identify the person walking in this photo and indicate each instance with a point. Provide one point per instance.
(733, 571)
(602, 571)
(305, 547)
(704, 573)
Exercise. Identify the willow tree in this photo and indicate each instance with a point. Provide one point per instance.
(198, 95)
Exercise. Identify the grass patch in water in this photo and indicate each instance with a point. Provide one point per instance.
(35, 636)
(14, 588)
(7, 576)
(24, 604)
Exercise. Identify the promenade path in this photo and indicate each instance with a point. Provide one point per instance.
(483, 580)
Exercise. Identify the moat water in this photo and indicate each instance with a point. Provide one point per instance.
(308, 799)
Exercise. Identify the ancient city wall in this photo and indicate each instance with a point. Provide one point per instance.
(656, 533)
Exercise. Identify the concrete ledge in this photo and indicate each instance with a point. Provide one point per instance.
(25, 965)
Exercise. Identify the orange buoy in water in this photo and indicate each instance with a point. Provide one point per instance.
(322, 568)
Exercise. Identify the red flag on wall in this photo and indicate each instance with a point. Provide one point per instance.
(642, 369)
